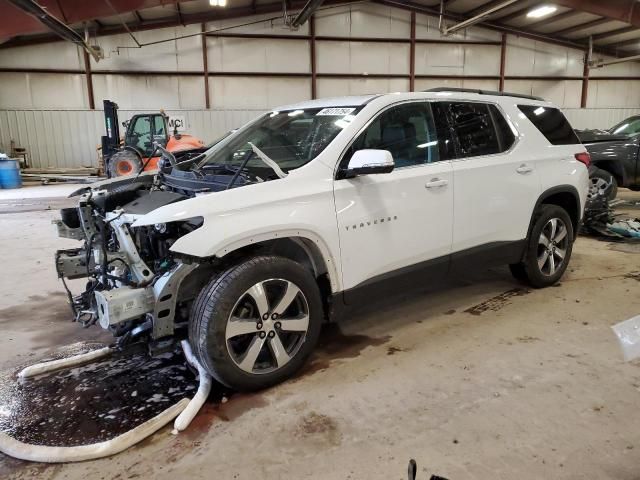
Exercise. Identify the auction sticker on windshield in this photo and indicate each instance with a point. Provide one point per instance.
(335, 111)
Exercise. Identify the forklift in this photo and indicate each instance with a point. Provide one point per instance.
(137, 151)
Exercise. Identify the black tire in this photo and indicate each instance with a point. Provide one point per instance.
(529, 269)
(124, 163)
(597, 187)
(221, 298)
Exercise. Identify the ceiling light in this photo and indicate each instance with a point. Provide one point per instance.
(218, 3)
(541, 11)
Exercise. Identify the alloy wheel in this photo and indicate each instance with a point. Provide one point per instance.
(598, 187)
(267, 326)
(552, 246)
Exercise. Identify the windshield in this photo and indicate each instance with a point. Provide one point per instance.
(630, 126)
(290, 138)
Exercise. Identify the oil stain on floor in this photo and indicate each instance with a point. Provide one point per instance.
(94, 402)
(496, 303)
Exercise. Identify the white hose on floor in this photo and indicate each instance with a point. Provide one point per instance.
(196, 403)
(40, 453)
(46, 367)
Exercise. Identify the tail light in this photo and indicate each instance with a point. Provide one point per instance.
(584, 157)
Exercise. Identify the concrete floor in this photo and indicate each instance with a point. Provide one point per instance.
(473, 380)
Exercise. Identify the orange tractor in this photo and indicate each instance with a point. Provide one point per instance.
(138, 149)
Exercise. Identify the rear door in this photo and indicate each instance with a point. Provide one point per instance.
(495, 186)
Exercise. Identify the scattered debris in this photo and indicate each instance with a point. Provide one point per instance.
(600, 221)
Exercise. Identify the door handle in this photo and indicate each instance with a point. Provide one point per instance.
(436, 183)
(524, 168)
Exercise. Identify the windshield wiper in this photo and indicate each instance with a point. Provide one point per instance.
(267, 161)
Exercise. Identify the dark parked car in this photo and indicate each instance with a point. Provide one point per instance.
(614, 156)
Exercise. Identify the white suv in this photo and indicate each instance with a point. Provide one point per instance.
(248, 245)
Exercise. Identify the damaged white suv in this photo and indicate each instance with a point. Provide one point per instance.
(248, 246)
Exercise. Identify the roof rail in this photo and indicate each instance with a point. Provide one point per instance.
(483, 92)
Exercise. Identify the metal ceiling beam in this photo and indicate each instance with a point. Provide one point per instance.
(582, 26)
(495, 25)
(188, 18)
(514, 15)
(179, 13)
(478, 17)
(306, 12)
(627, 43)
(54, 24)
(610, 33)
(483, 7)
(553, 19)
(627, 11)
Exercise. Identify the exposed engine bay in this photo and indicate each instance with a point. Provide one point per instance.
(135, 285)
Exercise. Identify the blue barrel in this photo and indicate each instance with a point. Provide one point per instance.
(10, 174)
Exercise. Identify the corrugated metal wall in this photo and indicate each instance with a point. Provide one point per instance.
(48, 114)
(69, 138)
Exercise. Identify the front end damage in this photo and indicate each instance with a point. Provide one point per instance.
(135, 286)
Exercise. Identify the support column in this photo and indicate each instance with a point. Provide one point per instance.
(87, 72)
(412, 54)
(205, 67)
(312, 55)
(503, 60)
(585, 81)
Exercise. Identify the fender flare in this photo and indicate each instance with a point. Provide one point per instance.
(553, 191)
(330, 263)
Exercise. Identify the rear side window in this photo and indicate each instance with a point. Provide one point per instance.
(478, 128)
(552, 124)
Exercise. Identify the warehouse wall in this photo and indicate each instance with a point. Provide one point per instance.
(49, 113)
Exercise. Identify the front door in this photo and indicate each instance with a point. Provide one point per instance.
(396, 223)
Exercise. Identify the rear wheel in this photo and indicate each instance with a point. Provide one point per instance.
(256, 324)
(549, 248)
(123, 163)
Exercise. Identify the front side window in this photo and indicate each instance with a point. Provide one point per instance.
(407, 131)
(290, 138)
(472, 127)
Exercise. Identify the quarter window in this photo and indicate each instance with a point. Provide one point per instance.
(407, 131)
(551, 123)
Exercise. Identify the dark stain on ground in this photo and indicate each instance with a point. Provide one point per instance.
(334, 345)
(94, 402)
(450, 312)
(105, 398)
(394, 350)
(37, 316)
(318, 426)
(496, 303)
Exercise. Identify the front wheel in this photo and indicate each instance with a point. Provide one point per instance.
(549, 248)
(123, 163)
(257, 323)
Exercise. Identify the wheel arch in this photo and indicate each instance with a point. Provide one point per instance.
(300, 246)
(614, 168)
(565, 196)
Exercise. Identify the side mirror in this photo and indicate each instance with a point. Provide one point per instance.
(368, 162)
